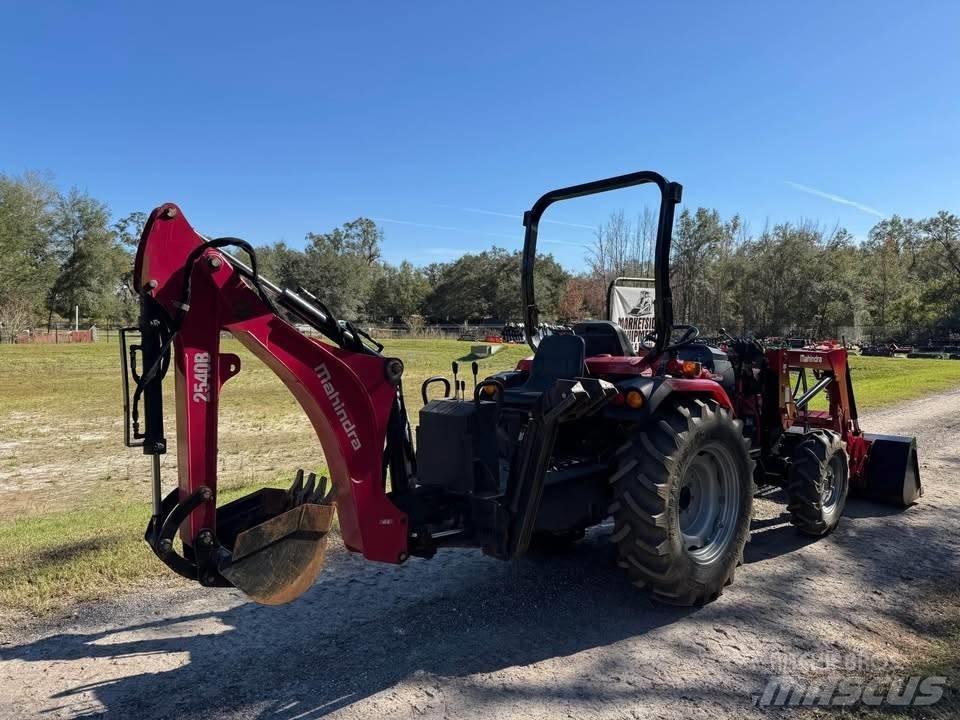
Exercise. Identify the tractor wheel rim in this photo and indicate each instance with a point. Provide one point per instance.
(709, 501)
(830, 489)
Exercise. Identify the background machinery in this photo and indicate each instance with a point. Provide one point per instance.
(667, 435)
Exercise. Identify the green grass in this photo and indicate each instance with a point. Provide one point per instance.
(74, 502)
(47, 561)
(882, 381)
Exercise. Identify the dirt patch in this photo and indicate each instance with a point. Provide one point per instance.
(84, 464)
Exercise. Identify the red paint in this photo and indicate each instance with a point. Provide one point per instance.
(608, 366)
(345, 394)
(701, 387)
(831, 358)
(604, 365)
(612, 365)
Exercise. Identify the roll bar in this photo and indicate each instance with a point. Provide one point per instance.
(670, 195)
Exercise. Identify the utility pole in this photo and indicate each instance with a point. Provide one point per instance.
(76, 318)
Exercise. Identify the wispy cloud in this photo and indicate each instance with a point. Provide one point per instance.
(563, 242)
(515, 216)
(835, 198)
(447, 228)
(518, 237)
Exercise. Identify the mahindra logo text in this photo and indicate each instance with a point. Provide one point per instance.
(334, 396)
(811, 358)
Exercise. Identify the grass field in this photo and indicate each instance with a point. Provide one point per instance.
(74, 501)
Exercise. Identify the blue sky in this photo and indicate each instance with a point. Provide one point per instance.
(268, 120)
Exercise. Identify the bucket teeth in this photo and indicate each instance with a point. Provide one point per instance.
(317, 492)
(325, 495)
(307, 495)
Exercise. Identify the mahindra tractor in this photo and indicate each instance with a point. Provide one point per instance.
(667, 435)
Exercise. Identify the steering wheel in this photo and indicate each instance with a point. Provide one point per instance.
(691, 333)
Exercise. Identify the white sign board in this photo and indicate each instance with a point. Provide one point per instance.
(632, 309)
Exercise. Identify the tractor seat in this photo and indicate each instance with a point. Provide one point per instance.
(603, 337)
(558, 357)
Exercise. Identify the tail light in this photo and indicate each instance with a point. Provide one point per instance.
(684, 368)
(632, 398)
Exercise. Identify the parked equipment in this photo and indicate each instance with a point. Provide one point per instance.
(805, 449)
(664, 435)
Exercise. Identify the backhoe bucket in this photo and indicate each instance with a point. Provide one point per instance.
(275, 554)
(892, 473)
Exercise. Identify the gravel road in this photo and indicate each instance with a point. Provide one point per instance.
(564, 636)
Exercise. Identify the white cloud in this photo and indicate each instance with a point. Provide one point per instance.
(447, 228)
(563, 242)
(516, 216)
(835, 198)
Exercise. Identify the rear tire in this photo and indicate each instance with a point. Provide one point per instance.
(683, 502)
(817, 483)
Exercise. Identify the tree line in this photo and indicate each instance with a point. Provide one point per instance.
(901, 281)
(64, 249)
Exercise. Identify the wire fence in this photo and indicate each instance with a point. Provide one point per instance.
(55, 335)
(58, 334)
(510, 332)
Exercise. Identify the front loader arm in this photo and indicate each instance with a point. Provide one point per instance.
(190, 293)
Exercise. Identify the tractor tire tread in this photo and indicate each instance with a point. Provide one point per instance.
(652, 557)
(808, 465)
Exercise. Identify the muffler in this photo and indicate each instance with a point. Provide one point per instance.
(274, 541)
(892, 473)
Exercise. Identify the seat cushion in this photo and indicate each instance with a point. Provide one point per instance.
(558, 357)
(603, 337)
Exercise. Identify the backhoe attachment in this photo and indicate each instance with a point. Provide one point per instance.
(272, 543)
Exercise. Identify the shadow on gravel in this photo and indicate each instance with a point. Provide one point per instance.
(364, 628)
(772, 538)
(858, 508)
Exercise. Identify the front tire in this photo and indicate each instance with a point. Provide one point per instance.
(817, 483)
(683, 502)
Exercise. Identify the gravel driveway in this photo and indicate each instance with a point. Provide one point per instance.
(564, 636)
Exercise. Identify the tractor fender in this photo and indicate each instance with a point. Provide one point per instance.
(657, 389)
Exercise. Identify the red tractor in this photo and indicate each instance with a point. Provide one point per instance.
(667, 437)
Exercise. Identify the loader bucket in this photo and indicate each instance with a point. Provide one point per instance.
(892, 472)
(274, 560)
